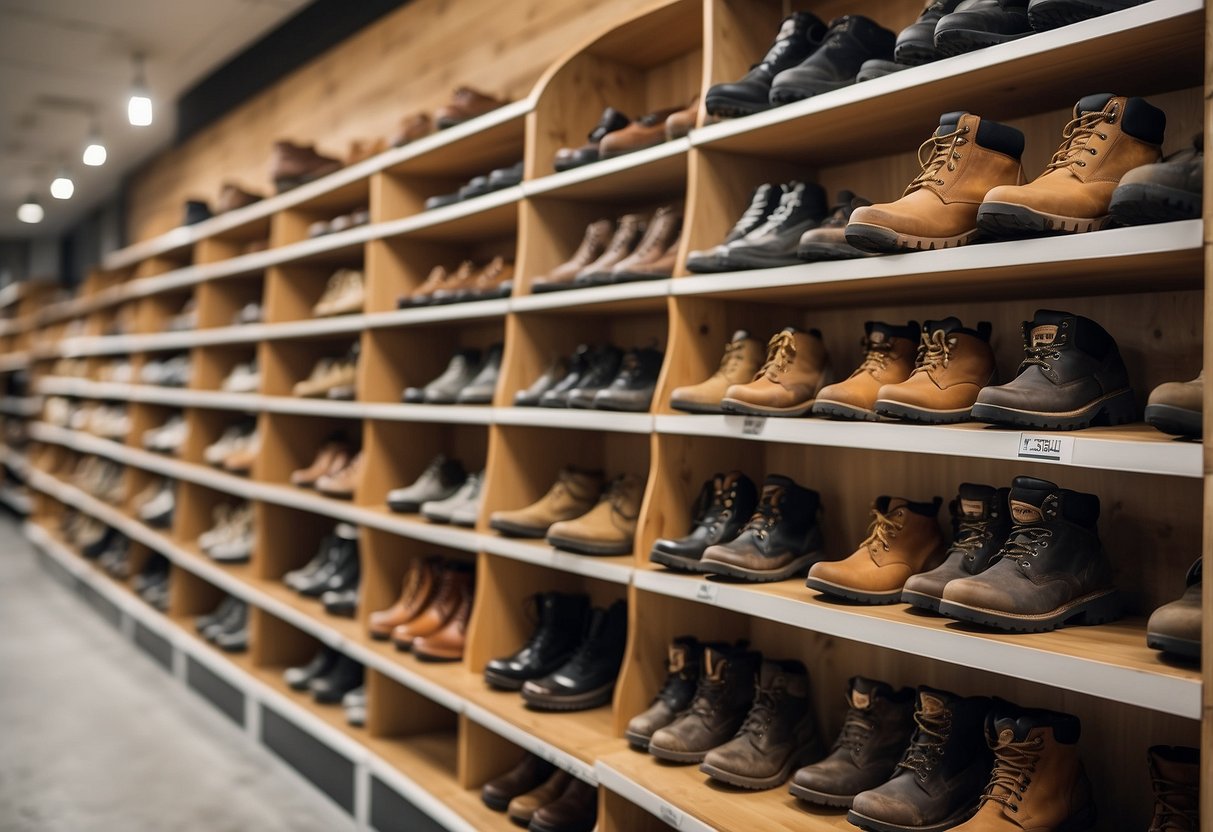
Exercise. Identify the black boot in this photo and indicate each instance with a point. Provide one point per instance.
(781, 539)
(763, 202)
(1071, 376)
(850, 41)
(682, 677)
(587, 679)
(799, 37)
(731, 500)
(916, 43)
(561, 623)
(345, 675)
(775, 242)
(981, 23)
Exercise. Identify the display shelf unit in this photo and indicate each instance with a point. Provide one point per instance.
(1146, 285)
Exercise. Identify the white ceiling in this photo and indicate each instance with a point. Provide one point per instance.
(60, 60)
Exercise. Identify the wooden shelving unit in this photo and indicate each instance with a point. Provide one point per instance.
(436, 732)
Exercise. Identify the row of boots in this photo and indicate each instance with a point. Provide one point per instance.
(430, 616)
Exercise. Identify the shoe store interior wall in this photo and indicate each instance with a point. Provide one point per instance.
(621, 415)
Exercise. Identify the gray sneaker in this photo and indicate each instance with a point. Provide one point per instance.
(463, 502)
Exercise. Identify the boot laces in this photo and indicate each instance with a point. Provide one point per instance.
(1025, 542)
(768, 513)
(855, 731)
(1042, 354)
(876, 355)
(787, 207)
(753, 213)
(761, 713)
(971, 536)
(926, 745)
(781, 351)
(721, 509)
(935, 154)
(1014, 764)
(882, 530)
(934, 351)
(1170, 814)
(617, 494)
(669, 690)
(1077, 136)
(733, 355)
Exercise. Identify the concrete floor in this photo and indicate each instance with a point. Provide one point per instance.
(95, 737)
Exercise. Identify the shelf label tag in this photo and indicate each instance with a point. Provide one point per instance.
(670, 815)
(706, 592)
(753, 425)
(1046, 447)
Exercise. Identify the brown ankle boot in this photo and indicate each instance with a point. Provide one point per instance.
(961, 162)
(420, 583)
(954, 364)
(904, 540)
(1108, 137)
(1038, 780)
(573, 494)
(741, 360)
(454, 583)
(1175, 772)
(796, 369)
(888, 359)
(447, 644)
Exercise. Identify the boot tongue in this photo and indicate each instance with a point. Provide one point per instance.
(864, 691)
(1028, 494)
(715, 664)
(679, 651)
(739, 336)
(777, 481)
(887, 505)
(1093, 103)
(1043, 328)
(932, 702)
(948, 325)
(975, 500)
(878, 332)
(1008, 729)
(948, 122)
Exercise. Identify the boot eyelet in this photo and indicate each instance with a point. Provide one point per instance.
(1092, 151)
(1081, 164)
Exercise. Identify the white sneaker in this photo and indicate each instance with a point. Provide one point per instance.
(463, 501)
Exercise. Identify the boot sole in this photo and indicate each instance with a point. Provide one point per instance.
(1056, 15)
(1096, 608)
(758, 783)
(677, 562)
(496, 804)
(736, 406)
(1146, 204)
(837, 801)
(838, 410)
(1004, 219)
(576, 702)
(695, 407)
(581, 547)
(788, 94)
(517, 530)
(1176, 421)
(742, 260)
(916, 54)
(502, 682)
(728, 570)
(437, 658)
(819, 252)
(920, 600)
(923, 415)
(671, 756)
(880, 240)
(1111, 409)
(950, 42)
(873, 825)
(1182, 647)
(637, 741)
(851, 594)
(729, 107)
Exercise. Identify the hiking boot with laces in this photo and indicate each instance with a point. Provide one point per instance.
(802, 207)
(587, 679)
(875, 732)
(780, 540)
(799, 37)
(888, 359)
(940, 777)
(1051, 571)
(1166, 191)
(961, 162)
(763, 202)
(440, 480)
(632, 389)
(916, 43)
(580, 362)
(903, 540)
(720, 704)
(952, 366)
(849, 42)
(1175, 778)
(797, 367)
(559, 624)
(976, 24)
(1038, 781)
(1050, 14)
(654, 256)
(1108, 137)
(682, 675)
(828, 241)
(572, 495)
(981, 521)
(732, 499)
(593, 244)
(627, 236)
(778, 734)
(1071, 376)
(607, 529)
(1174, 628)
(741, 360)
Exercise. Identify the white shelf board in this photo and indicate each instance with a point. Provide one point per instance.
(492, 308)
(574, 419)
(554, 183)
(1097, 448)
(592, 296)
(540, 553)
(454, 212)
(530, 742)
(624, 786)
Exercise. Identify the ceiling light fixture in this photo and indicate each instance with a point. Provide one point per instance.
(94, 151)
(30, 211)
(139, 106)
(62, 186)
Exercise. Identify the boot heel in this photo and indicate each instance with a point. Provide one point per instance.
(1101, 610)
(1118, 410)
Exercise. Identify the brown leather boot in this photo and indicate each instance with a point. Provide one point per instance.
(453, 584)
(904, 540)
(363, 149)
(530, 773)
(1038, 780)
(331, 457)
(627, 236)
(523, 807)
(1108, 137)
(1175, 627)
(420, 584)
(496, 280)
(682, 676)
(961, 162)
(652, 259)
(1175, 772)
(446, 645)
(646, 131)
(741, 360)
(607, 529)
(342, 482)
(888, 359)
(465, 104)
(796, 368)
(576, 810)
(593, 244)
(292, 165)
(232, 196)
(953, 364)
(411, 128)
(573, 494)
(682, 122)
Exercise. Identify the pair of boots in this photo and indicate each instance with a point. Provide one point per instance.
(431, 615)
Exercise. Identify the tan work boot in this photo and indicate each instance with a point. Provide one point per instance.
(420, 583)
(888, 359)
(572, 495)
(961, 162)
(953, 364)
(796, 368)
(1177, 407)
(344, 294)
(904, 540)
(341, 482)
(1108, 137)
(741, 360)
(1175, 626)
(1038, 781)
(607, 529)
(1175, 772)
(332, 457)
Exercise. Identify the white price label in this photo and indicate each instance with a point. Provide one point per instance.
(671, 815)
(706, 592)
(753, 425)
(1046, 447)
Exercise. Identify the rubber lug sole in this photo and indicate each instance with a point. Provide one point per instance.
(515, 530)
(582, 547)
(950, 42)
(1181, 647)
(1146, 204)
(576, 702)
(850, 594)
(757, 783)
(728, 107)
(838, 410)
(637, 741)
(916, 54)
(695, 407)
(678, 563)
(736, 406)
(762, 576)
(881, 240)
(1004, 219)
(1176, 421)
(1112, 409)
(672, 756)
(837, 801)
(920, 600)
(502, 682)
(1054, 15)
(922, 415)
(1096, 608)
(874, 825)
(820, 252)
